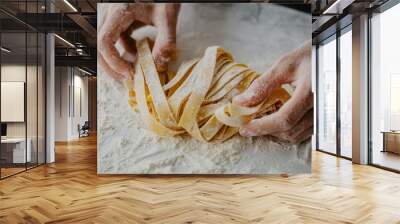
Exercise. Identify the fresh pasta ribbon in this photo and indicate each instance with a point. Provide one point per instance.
(197, 100)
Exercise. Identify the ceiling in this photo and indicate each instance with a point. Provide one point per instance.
(74, 24)
(332, 15)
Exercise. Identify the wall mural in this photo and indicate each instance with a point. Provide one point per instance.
(204, 89)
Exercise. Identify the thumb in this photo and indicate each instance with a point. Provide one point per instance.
(281, 72)
(165, 19)
(286, 117)
(259, 90)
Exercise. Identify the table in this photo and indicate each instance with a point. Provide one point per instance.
(13, 150)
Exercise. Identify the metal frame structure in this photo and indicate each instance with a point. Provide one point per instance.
(44, 75)
(339, 28)
(338, 34)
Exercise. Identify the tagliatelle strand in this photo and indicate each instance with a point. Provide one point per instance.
(197, 100)
(151, 122)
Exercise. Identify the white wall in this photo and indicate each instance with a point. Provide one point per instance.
(13, 100)
(70, 81)
(61, 103)
(80, 82)
(12, 73)
(33, 127)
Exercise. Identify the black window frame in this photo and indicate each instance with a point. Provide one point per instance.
(31, 30)
(380, 9)
(339, 32)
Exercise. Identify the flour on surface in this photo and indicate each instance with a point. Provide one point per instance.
(126, 147)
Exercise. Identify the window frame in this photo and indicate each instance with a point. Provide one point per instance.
(337, 34)
(380, 9)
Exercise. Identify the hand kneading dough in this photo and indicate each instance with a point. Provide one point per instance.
(197, 100)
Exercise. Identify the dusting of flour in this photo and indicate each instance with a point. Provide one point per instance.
(125, 146)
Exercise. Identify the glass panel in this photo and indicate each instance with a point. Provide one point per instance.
(346, 94)
(32, 88)
(22, 88)
(41, 99)
(385, 84)
(13, 91)
(327, 96)
(31, 100)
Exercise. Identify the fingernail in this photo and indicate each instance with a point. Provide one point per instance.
(128, 57)
(246, 133)
(129, 74)
(162, 63)
(244, 98)
(238, 99)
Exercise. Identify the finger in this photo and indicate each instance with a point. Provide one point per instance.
(304, 124)
(307, 121)
(115, 24)
(107, 69)
(286, 117)
(259, 90)
(129, 45)
(304, 135)
(165, 19)
(258, 127)
(282, 72)
(276, 139)
(103, 10)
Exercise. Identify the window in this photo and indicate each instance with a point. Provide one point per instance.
(346, 92)
(334, 106)
(385, 89)
(327, 96)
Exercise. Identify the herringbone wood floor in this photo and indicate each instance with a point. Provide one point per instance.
(70, 191)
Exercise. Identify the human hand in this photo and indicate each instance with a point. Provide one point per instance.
(120, 20)
(293, 122)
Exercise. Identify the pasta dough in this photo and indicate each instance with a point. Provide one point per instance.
(197, 100)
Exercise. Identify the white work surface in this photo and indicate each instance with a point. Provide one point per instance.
(257, 35)
(18, 149)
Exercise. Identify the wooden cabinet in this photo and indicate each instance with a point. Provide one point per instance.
(391, 142)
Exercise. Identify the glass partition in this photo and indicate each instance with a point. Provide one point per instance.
(41, 97)
(14, 153)
(22, 77)
(31, 100)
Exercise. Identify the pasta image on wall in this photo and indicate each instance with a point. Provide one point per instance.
(203, 111)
